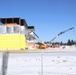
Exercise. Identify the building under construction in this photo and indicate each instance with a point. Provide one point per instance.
(14, 33)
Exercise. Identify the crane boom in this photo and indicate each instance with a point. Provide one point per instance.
(65, 31)
(38, 38)
(62, 33)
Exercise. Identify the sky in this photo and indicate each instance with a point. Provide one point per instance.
(49, 17)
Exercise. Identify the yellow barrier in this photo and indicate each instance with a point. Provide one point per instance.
(12, 41)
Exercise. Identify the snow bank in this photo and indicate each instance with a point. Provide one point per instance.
(38, 63)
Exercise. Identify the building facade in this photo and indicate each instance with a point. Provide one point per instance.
(13, 33)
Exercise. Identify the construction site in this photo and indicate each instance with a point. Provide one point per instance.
(15, 34)
(22, 52)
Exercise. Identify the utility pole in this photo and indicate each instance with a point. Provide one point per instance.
(4, 63)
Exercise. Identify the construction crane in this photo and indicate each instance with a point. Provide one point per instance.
(62, 33)
(40, 44)
(38, 38)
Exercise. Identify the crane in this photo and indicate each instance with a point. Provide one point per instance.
(62, 33)
(39, 38)
(40, 44)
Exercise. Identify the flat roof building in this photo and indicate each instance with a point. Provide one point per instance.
(31, 28)
(16, 20)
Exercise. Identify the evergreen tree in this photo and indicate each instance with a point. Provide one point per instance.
(61, 43)
(69, 42)
(72, 42)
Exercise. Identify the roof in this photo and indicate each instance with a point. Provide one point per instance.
(31, 28)
(17, 20)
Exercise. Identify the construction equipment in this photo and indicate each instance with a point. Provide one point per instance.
(57, 45)
(61, 33)
(40, 44)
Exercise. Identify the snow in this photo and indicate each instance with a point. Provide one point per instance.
(41, 63)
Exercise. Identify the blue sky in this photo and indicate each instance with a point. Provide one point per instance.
(48, 16)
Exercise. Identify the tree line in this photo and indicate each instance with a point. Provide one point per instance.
(69, 42)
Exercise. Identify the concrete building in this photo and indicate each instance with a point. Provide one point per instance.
(31, 28)
(31, 37)
(13, 24)
(13, 33)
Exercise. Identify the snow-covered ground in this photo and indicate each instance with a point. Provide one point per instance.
(41, 63)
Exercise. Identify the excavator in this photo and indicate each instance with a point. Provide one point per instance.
(42, 45)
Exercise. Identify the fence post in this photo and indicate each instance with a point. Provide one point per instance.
(4, 63)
